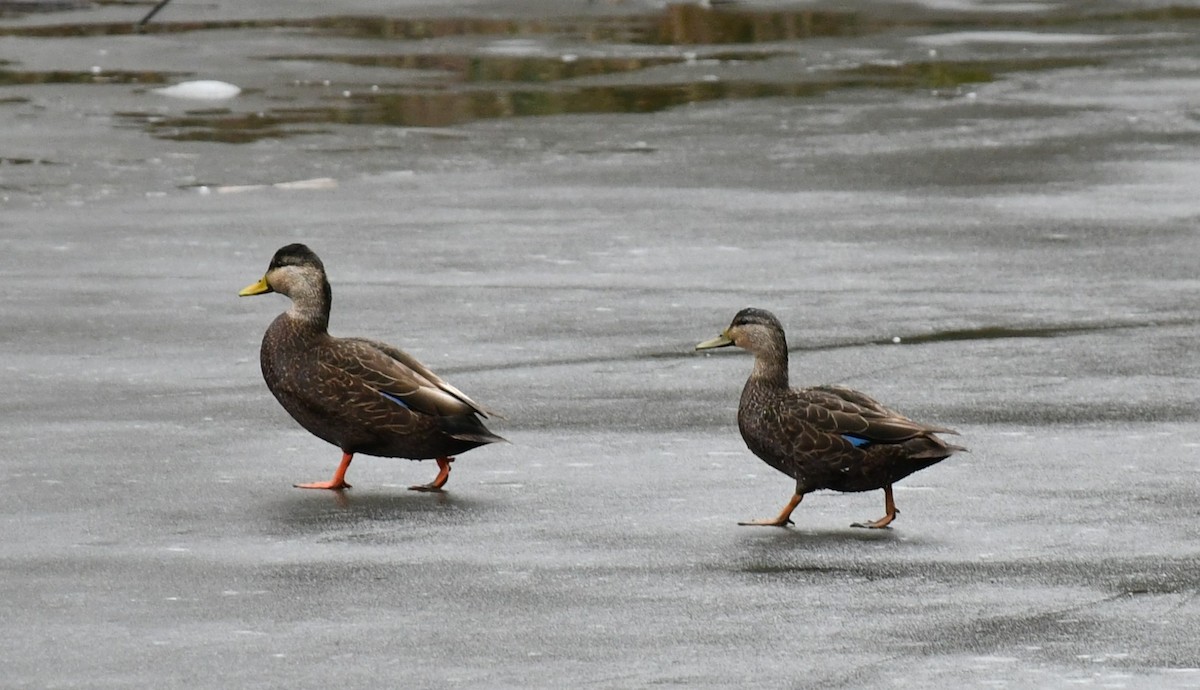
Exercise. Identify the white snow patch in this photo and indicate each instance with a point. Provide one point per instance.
(202, 89)
(311, 184)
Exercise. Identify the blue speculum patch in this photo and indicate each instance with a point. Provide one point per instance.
(856, 441)
(395, 399)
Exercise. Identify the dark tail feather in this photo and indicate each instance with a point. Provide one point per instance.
(931, 448)
(489, 437)
(468, 427)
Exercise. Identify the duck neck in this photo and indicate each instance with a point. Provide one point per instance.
(310, 305)
(771, 365)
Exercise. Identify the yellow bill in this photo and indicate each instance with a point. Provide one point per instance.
(719, 341)
(256, 289)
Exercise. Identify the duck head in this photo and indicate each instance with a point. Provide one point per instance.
(756, 330)
(292, 266)
(297, 272)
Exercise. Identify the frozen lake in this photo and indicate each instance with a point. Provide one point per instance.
(550, 204)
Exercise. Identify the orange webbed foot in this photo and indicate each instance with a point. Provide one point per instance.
(767, 522)
(436, 485)
(339, 477)
(782, 520)
(427, 488)
(331, 484)
(889, 504)
(881, 523)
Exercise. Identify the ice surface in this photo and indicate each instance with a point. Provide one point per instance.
(1033, 252)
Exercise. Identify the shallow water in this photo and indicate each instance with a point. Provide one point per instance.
(437, 71)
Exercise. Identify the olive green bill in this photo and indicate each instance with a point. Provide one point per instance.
(719, 341)
(256, 289)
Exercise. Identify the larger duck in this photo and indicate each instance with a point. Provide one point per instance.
(825, 437)
(363, 396)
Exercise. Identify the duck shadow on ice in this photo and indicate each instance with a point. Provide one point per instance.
(825, 542)
(342, 512)
(817, 552)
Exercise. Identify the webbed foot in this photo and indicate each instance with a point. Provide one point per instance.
(331, 484)
(889, 504)
(881, 523)
(427, 488)
(783, 519)
(436, 485)
(339, 477)
(767, 522)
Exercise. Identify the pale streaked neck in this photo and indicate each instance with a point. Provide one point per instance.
(771, 364)
(310, 304)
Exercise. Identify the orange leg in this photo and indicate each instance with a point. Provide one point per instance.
(339, 478)
(783, 519)
(889, 504)
(440, 480)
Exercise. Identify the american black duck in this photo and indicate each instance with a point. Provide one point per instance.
(825, 437)
(361, 395)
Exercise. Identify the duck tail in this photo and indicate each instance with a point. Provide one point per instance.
(930, 447)
(468, 427)
(481, 439)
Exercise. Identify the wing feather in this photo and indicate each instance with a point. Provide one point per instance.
(397, 374)
(839, 410)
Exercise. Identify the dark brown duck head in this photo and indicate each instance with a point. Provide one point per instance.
(759, 332)
(297, 272)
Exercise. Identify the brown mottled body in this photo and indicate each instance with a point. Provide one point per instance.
(825, 437)
(332, 386)
(360, 395)
(800, 433)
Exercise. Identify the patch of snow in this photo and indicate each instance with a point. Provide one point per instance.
(203, 89)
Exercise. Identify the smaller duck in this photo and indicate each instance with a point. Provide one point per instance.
(825, 437)
(363, 396)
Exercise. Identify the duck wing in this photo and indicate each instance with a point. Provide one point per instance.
(414, 365)
(850, 413)
(398, 376)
